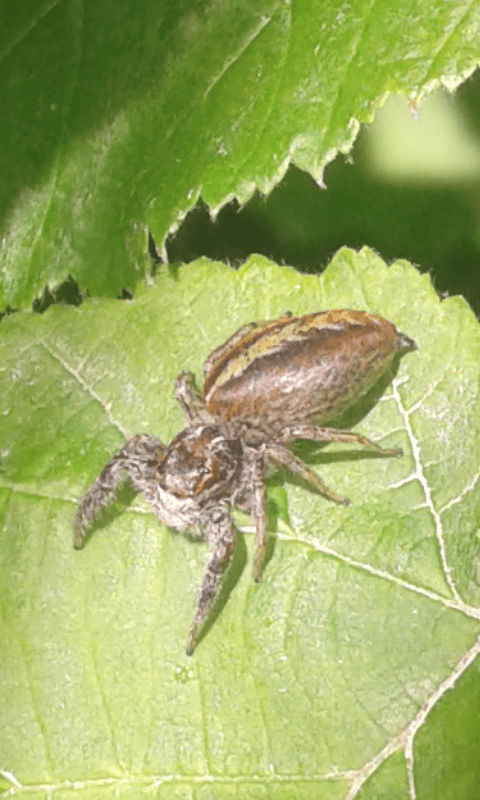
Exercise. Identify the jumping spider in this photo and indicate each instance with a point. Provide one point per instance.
(272, 382)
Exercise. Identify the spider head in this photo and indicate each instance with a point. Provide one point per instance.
(200, 465)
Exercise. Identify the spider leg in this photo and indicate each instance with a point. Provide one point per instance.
(137, 459)
(259, 514)
(187, 395)
(220, 532)
(283, 456)
(314, 434)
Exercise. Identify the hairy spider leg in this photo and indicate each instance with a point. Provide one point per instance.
(220, 533)
(281, 455)
(187, 395)
(315, 434)
(259, 514)
(137, 459)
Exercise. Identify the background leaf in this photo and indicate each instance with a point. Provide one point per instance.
(387, 194)
(360, 646)
(116, 116)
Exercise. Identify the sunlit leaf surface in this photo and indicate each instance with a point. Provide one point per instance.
(351, 670)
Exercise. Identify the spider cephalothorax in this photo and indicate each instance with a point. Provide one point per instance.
(272, 382)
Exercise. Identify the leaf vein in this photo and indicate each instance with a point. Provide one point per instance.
(85, 386)
(420, 476)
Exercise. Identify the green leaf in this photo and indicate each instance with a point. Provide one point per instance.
(359, 647)
(116, 116)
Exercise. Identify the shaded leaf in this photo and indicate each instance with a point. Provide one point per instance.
(116, 116)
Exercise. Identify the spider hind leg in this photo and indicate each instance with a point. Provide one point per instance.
(287, 459)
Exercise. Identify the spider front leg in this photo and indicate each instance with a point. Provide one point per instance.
(220, 533)
(314, 434)
(137, 459)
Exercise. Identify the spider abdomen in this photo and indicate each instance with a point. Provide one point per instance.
(299, 370)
